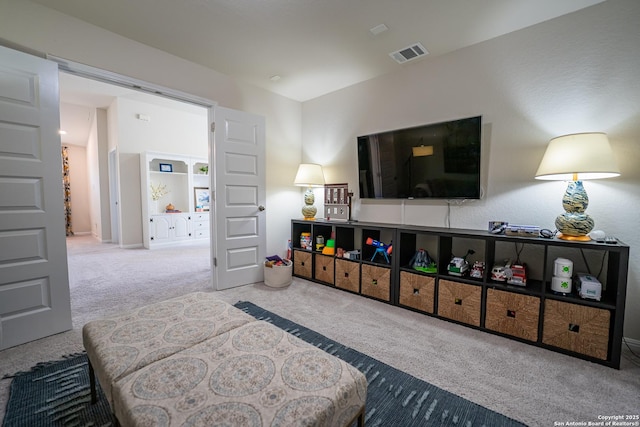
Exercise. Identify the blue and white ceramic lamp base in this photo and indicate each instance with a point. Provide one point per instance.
(574, 224)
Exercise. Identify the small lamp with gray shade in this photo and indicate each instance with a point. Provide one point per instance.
(309, 175)
(574, 158)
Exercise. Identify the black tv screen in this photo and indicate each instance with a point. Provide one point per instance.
(438, 161)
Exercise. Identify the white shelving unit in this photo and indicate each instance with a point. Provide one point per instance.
(179, 176)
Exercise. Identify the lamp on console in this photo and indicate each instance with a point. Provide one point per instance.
(574, 158)
(309, 175)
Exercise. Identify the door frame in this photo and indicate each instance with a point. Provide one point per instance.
(114, 196)
(93, 73)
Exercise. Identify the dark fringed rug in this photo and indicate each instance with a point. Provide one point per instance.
(394, 398)
(56, 394)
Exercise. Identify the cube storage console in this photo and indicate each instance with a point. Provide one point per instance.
(533, 314)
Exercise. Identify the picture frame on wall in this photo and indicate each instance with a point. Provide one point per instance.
(201, 199)
(166, 167)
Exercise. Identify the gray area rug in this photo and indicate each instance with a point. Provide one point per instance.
(56, 394)
(394, 398)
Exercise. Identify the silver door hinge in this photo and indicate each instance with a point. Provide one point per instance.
(213, 126)
(215, 261)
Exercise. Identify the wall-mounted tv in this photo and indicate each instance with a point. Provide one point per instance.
(432, 161)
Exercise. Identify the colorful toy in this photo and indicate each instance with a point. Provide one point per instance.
(477, 271)
(421, 261)
(517, 275)
(381, 248)
(329, 248)
(512, 273)
(458, 266)
(499, 270)
(275, 260)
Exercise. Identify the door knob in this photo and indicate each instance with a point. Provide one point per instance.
(260, 208)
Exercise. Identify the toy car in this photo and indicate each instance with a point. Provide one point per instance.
(458, 266)
(477, 271)
(517, 275)
(499, 271)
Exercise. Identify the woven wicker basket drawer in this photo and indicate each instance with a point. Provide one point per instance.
(302, 263)
(459, 301)
(348, 275)
(417, 291)
(576, 328)
(376, 281)
(513, 314)
(324, 268)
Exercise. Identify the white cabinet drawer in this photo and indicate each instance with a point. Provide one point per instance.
(200, 225)
(201, 233)
(200, 216)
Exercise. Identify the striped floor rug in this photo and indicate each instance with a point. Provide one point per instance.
(56, 394)
(394, 398)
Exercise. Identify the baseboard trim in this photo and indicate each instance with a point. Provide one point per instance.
(633, 344)
(134, 246)
(177, 243)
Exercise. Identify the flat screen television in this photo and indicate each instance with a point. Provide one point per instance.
(432, 161)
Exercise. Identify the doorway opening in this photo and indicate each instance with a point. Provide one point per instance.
(106, 204)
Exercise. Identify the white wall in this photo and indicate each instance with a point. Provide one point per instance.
(577, 73)
(169, 130)
(97, 177)
(45, 30)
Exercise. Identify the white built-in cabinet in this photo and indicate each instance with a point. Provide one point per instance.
(168, 228)
(183, 179)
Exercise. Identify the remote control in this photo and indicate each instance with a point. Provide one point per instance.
(610, 240)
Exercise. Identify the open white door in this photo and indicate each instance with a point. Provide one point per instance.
(239, 199)
(34, 280)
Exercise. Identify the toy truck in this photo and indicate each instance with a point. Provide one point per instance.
(458, 266)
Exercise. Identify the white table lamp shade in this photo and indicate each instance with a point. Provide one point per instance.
(578, 157)
(309, 175)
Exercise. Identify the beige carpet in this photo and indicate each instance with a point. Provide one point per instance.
(535, 386)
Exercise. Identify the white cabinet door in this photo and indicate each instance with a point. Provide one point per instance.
(181, 226)
(168, 228)
(159, 229)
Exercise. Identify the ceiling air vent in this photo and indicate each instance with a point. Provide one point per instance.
(408, 53)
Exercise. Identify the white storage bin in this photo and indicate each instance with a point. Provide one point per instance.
(278, 276)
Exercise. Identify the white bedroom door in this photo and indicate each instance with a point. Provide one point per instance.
(239, 199)
(34, 280)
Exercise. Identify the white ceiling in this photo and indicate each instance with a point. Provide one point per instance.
(314, 46)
